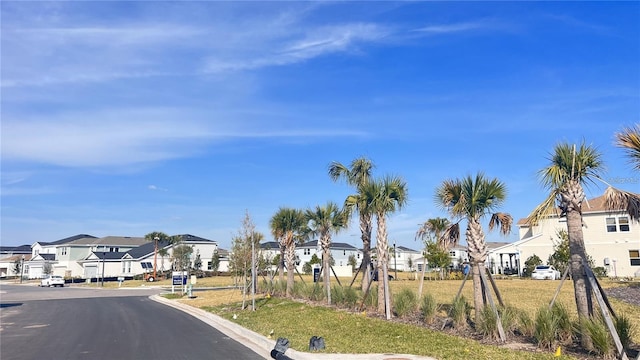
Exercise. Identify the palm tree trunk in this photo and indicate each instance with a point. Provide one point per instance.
(382, 248)
(326, 265)
(581, 287)
(290, 255)
(281, 264)
(365, 229)
(477, 250)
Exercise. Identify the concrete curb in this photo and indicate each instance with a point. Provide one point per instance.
(263, 345)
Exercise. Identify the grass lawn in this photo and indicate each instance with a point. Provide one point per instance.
(347, 332)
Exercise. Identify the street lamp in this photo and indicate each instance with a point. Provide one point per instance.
(22, 270)
(155, 257)
(104, 251)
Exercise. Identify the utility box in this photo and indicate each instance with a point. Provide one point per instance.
(316, 274)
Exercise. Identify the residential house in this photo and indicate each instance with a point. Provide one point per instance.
(403, 258)
(610, 238)
(339, 252)
(9, 255)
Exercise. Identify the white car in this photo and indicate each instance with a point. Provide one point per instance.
(543, 272)
(53, 280)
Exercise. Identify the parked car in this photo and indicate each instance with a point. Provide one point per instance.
(543, 272)
(53, 280)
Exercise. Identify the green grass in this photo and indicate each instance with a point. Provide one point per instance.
(346, 332)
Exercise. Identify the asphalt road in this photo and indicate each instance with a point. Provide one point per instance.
(74, 323)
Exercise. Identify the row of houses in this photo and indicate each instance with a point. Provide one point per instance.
(611, 239)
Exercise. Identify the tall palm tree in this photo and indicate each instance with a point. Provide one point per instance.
(358, 175)
(438, 229)
(388, 195)
(323, 222)
(471, 199)
(629, 139)
(570, 168)
(288, 226)
(156, 237)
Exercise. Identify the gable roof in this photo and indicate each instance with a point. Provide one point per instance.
(193, 238)
(22, 249)
(110, 241)
(109, 255)
(270, 245)
(406, 249)
(334, 245)
(66, 240)
(47, 257)
(146, 249)
(595, 205)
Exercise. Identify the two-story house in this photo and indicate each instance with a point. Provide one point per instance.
(610, 238)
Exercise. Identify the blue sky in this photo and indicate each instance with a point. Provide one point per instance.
(122, 118)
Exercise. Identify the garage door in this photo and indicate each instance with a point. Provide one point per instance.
(90, 272)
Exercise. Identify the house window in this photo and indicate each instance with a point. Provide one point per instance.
(307, 251)
(452, 253)
(344, 252)
(114, 249)
(63, 251)
(617, 224)
(209, 265)
(634, 257)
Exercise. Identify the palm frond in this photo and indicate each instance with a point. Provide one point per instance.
(544, 210)
(620, 200)
(629, 139)
(450, 236)
(503, 220)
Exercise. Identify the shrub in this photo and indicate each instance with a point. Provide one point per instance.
(488, 323)
(526, 326)
(625, 328)
(405, 302)
(545, 328)
(314, 292)
(371, 300)
(337, 295)
(428, 308)
(459, 312)
(351, 297)
(509, 317)
(599, 335)
(563, 322)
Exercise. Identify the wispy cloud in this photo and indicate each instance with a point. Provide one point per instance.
(459, 27)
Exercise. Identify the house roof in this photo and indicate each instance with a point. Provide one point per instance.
(193, 238)
(496, 244)
(334, 245)
(595, 205)
(110, 241)
(22, 249)
(48, 257)
(146, 249)
(109, 255)
(66, 240)
(270, 245)
(15, 257)
(404, 248)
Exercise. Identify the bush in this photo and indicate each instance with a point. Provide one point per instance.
(351, 297)
(526, 326)
(509, 316)
(488, 323)
(564, 326)
(371, 300)
(459, 312)
(626, 329)
(599, 335)
(337, 295)
(545, 328)
(428, 308)
(405, 302)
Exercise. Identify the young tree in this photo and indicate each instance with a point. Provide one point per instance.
(434, 230)
(358, 175)
(437, 257)
(288, 226)
(243, 245)
(17, 267)
(215, 261)
(569, 169)
(471, 199)
(531, 263)
(197, 263)
(325, 221)
(352, 261)
(386, 196)
(47, 268)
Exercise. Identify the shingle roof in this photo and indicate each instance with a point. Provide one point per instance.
(146, 249)
(67, 240)
(594, 205)
(22, 249)
(48, 256)
(334, 245)
(110, 241)
(270, 245)
(191, 238)
(404, 248)
(109, 255)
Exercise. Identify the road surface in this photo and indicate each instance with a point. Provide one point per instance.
(76, 323)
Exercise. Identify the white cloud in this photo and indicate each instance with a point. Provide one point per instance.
(459, 27)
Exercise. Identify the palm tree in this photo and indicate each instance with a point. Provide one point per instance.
(570, 168)
(387, 195)
(156, 237)
(435, 228)
(323, 222)
(471, 199)
(358, 175)
(288, 227)
(629, 139)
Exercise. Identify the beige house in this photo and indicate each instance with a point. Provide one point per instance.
(611, 239)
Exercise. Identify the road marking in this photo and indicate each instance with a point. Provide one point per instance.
(35, 326)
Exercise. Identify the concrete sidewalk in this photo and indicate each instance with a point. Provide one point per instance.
(263, 345)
